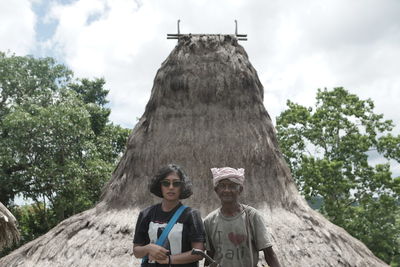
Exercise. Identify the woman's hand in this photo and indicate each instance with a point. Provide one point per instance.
(186, 257)
(157, 252)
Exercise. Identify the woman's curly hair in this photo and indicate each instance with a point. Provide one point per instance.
(155, 185)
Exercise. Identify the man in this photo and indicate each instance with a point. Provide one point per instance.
(235, 232)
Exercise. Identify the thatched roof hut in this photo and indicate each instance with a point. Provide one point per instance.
(205, 110)
(9, 233)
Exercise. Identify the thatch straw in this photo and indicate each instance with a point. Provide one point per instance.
(205, 110)
(9, 233)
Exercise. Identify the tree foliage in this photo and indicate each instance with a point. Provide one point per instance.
(57, 146)
(329, 150)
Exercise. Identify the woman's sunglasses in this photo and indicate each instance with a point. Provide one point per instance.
(167, 183)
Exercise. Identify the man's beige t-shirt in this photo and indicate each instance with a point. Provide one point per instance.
(228, 237)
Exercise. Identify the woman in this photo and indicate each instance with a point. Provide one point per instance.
(171, 184)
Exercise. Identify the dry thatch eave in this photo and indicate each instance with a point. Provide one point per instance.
(205, 110)
(9, 233)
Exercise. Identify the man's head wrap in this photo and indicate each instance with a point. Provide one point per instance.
(234, 175)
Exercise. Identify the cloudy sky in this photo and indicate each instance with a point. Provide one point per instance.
(295, 46)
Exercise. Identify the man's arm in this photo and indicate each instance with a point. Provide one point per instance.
(271, 257)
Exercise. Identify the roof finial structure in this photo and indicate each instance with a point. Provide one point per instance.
(240, 37)
(235, 27)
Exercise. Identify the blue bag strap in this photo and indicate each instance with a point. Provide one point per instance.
(160, 241)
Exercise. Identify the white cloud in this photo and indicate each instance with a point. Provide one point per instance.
(295, 46)
(17, 26)
(121, 44)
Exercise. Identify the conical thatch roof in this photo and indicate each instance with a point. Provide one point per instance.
(205, 110)
(9, 233)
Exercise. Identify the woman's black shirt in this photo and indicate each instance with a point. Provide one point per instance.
(189, 228)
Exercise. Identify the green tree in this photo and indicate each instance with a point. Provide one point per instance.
(57, 146)
(22, 79)
(327, 149)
